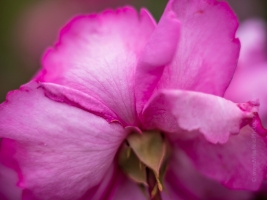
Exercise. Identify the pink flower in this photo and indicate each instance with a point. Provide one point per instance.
(122, 98)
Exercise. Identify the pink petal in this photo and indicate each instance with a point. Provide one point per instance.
(207, 52)
(158, 52)
(105, 189)
(61, 150)
(253, 38)
(127, 189)
(214, 117)
(263, 190)
(250, 83)
(184, 180)
(170, 194)
(239, 164)
(78, 99)
(8, 188)
(97, 54)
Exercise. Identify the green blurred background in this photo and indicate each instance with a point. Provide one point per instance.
(29, 26)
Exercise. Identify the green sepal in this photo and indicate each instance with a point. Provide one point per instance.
(151, 149)
(131, 165)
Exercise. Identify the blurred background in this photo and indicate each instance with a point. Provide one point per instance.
(28, 27)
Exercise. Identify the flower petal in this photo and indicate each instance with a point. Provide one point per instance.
(107, 186)
(207, 51)
(249, 83)
(8, 188)
(61, 150)
(250, 79)
(158, 52)
(177, 110)
(184, 180)
(97, 54)
(239, 164)
(252, 35)
(78, 99)
(127, 189)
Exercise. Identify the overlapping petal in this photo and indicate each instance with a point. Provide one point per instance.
(78, 99)
(239, 164)
(207, 51)
(249, 80)
(107, 186)
(188, 116)
(185, 180)
(250, 83)
(158, 53)
(178, 111)
(61, 150)
(127, 189)
(97, 54)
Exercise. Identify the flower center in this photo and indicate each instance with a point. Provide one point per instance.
(144, 158)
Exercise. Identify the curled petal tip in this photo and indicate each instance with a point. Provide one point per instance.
(250, 106)
(253, 119)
